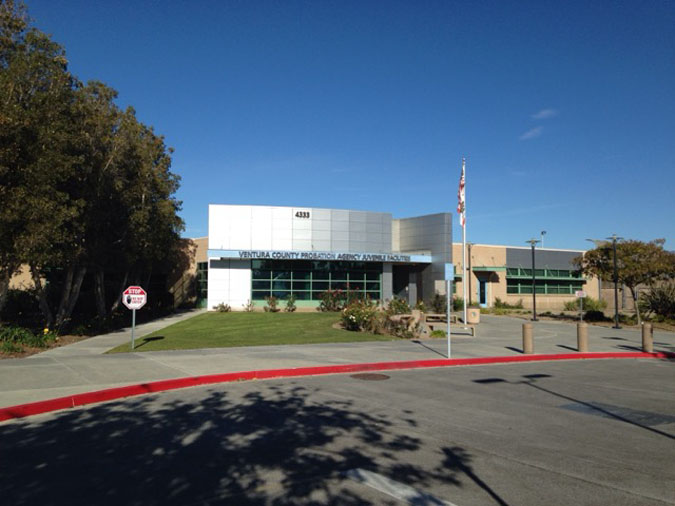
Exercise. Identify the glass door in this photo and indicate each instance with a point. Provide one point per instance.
(482, 292)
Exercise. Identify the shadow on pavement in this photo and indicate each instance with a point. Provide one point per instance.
(417, 341)
(608, 411)
(566, 347)
(277, 445)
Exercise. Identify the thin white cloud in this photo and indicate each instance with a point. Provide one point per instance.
(531, 134)
(545, 114)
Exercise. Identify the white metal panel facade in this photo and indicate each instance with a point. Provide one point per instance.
(229, 283)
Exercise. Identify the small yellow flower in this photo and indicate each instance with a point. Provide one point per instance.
(45, 330)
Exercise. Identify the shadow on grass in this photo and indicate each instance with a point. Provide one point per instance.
(274, 445)
(147, 340)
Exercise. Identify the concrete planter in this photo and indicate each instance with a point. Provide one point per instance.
(473, 315)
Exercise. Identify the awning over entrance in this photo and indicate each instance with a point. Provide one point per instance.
(489, 268)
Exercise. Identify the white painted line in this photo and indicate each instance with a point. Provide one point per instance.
(394, 488)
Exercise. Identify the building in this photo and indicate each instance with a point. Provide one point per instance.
(253, 252)
(505, 273)
(260, 251)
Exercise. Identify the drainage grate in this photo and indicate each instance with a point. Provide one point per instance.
(370, 376)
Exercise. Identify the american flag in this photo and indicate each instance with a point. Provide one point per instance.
(461, 206)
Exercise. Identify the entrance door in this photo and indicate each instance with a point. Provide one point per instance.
(482, 292)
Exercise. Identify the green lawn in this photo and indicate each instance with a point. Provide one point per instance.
(222, 330)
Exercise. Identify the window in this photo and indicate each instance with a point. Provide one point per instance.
(202, 280)
(307, 279)
(543, 286)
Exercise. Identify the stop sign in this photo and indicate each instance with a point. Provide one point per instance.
(134, 297)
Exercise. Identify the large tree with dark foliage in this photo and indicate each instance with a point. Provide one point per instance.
(85, 187)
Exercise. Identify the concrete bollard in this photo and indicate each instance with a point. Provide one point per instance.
(582, 337)
(647, 338)
(528, 343)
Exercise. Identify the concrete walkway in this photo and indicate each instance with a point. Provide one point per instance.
(82, 367)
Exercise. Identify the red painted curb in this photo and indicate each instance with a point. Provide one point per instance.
(34, 408)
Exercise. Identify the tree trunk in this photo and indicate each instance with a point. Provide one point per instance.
(99, 291)
(118, 295)
(65, 294)
(4, 288)
(42, 296)
(634, 293)
(147, 279)
(70, 294)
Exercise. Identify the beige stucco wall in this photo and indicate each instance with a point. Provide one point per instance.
(183, 284)
(22, 280)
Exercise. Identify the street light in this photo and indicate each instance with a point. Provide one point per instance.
(614, 238)
(600, 243)
(542, 233)
(533, 242)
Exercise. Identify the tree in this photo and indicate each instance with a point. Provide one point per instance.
(85, 187)
(638, 263)
(38, 216)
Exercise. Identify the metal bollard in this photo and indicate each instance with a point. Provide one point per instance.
(582, 337)
(647, 338)
(528, 343)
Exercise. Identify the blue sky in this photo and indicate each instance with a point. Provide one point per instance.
(565, 111)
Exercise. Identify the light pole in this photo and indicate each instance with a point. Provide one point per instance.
(533, 242)
(542, 233)
(614, 238)
(468, 274)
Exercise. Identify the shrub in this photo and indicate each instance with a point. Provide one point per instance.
(359, 315)
(420, 306)
(499, 303)
(272, 305)
(589, 304)
(223, 308)
(353, 296)
(20, 336)
(249, 307)
(290, 304)
(331, 300)
(438, 303)
(438, 333)
(659, 300)
(457, 304)
(595, 316)
(397, 306)
(8, 347)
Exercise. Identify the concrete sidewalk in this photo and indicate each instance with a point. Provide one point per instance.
(82, 367)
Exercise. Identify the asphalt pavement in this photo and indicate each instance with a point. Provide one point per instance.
(592, 432)
(84, 366)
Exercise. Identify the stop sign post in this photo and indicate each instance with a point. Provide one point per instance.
(134, 298)
(580, 295)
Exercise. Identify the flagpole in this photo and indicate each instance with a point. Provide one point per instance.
(464, 278)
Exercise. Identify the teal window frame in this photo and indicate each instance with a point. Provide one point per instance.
(202, 280)
(361, 277)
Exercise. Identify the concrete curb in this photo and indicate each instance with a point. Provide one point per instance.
(71, 401)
